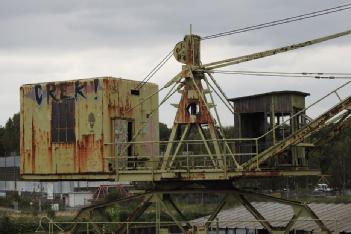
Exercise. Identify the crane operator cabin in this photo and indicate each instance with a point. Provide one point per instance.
(72, 130)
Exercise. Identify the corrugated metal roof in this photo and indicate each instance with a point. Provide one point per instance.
(334, 216)
(283, 92)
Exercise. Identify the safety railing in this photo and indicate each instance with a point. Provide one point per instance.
(217, 226)
(192, 154)
(201, 154)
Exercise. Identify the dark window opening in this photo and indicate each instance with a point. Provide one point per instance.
(192, 108)
(135, 92)
(63, 121)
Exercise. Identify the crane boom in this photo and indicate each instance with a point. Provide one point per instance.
(254, 56)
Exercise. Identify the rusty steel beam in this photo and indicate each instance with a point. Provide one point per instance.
(136, 213)
(210, 174)
(217, 210)
(169, 200)
(293, 220)
(255, 213)
(179, 224)
(335, 131)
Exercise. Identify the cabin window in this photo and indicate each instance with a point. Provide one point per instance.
(63, 121)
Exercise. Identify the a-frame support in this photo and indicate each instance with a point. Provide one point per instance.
(194, 110)
(162, 196)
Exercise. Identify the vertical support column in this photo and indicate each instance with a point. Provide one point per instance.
(273, 120)
(158, 215)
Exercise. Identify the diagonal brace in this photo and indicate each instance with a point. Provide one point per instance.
(255, 213)
(217, 210)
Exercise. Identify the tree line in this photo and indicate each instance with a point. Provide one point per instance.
(10, 136)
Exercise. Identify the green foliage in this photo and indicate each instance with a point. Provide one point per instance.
(164, 132)
(51, 213)
(12, 226)
(10, 136)
(334, 158)
(229, 132)
(7, 226)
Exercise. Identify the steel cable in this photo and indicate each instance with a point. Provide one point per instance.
(281, 21)
(155, 70)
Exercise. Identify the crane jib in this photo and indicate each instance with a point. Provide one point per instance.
(254, 56)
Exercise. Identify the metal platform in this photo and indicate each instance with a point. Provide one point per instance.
(192, 165)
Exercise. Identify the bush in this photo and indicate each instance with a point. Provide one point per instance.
(51, 213)
(6, 226)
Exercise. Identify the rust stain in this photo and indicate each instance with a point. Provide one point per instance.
(33, 147)
(85, 149)
(261, 173)
(187, 105)
(107, 98)
(48, 139)
(196, 176)
(101, 155)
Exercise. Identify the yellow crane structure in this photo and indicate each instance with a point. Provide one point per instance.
(209, 164)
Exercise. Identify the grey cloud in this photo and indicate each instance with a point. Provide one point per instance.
(56, 40)
(72, 25)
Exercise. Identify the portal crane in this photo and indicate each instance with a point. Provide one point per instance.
(194, 114)
(176, 172)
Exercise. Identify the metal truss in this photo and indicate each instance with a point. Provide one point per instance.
(161, 198)
(197, 122)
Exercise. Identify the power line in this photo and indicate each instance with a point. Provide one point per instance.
(316, 75)
(154, 70)
(281, 21)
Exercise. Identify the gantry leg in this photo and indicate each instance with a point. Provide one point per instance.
(255, 213)
(169, 200)
(294, 204)
(313, 215)
(162, 194)
(293, 219)
(217, 210)
(86, 217)
(170, 213)
(136, 213)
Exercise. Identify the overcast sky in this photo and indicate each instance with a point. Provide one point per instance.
(59, 40)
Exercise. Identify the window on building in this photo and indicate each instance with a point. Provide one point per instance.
(63, 121)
